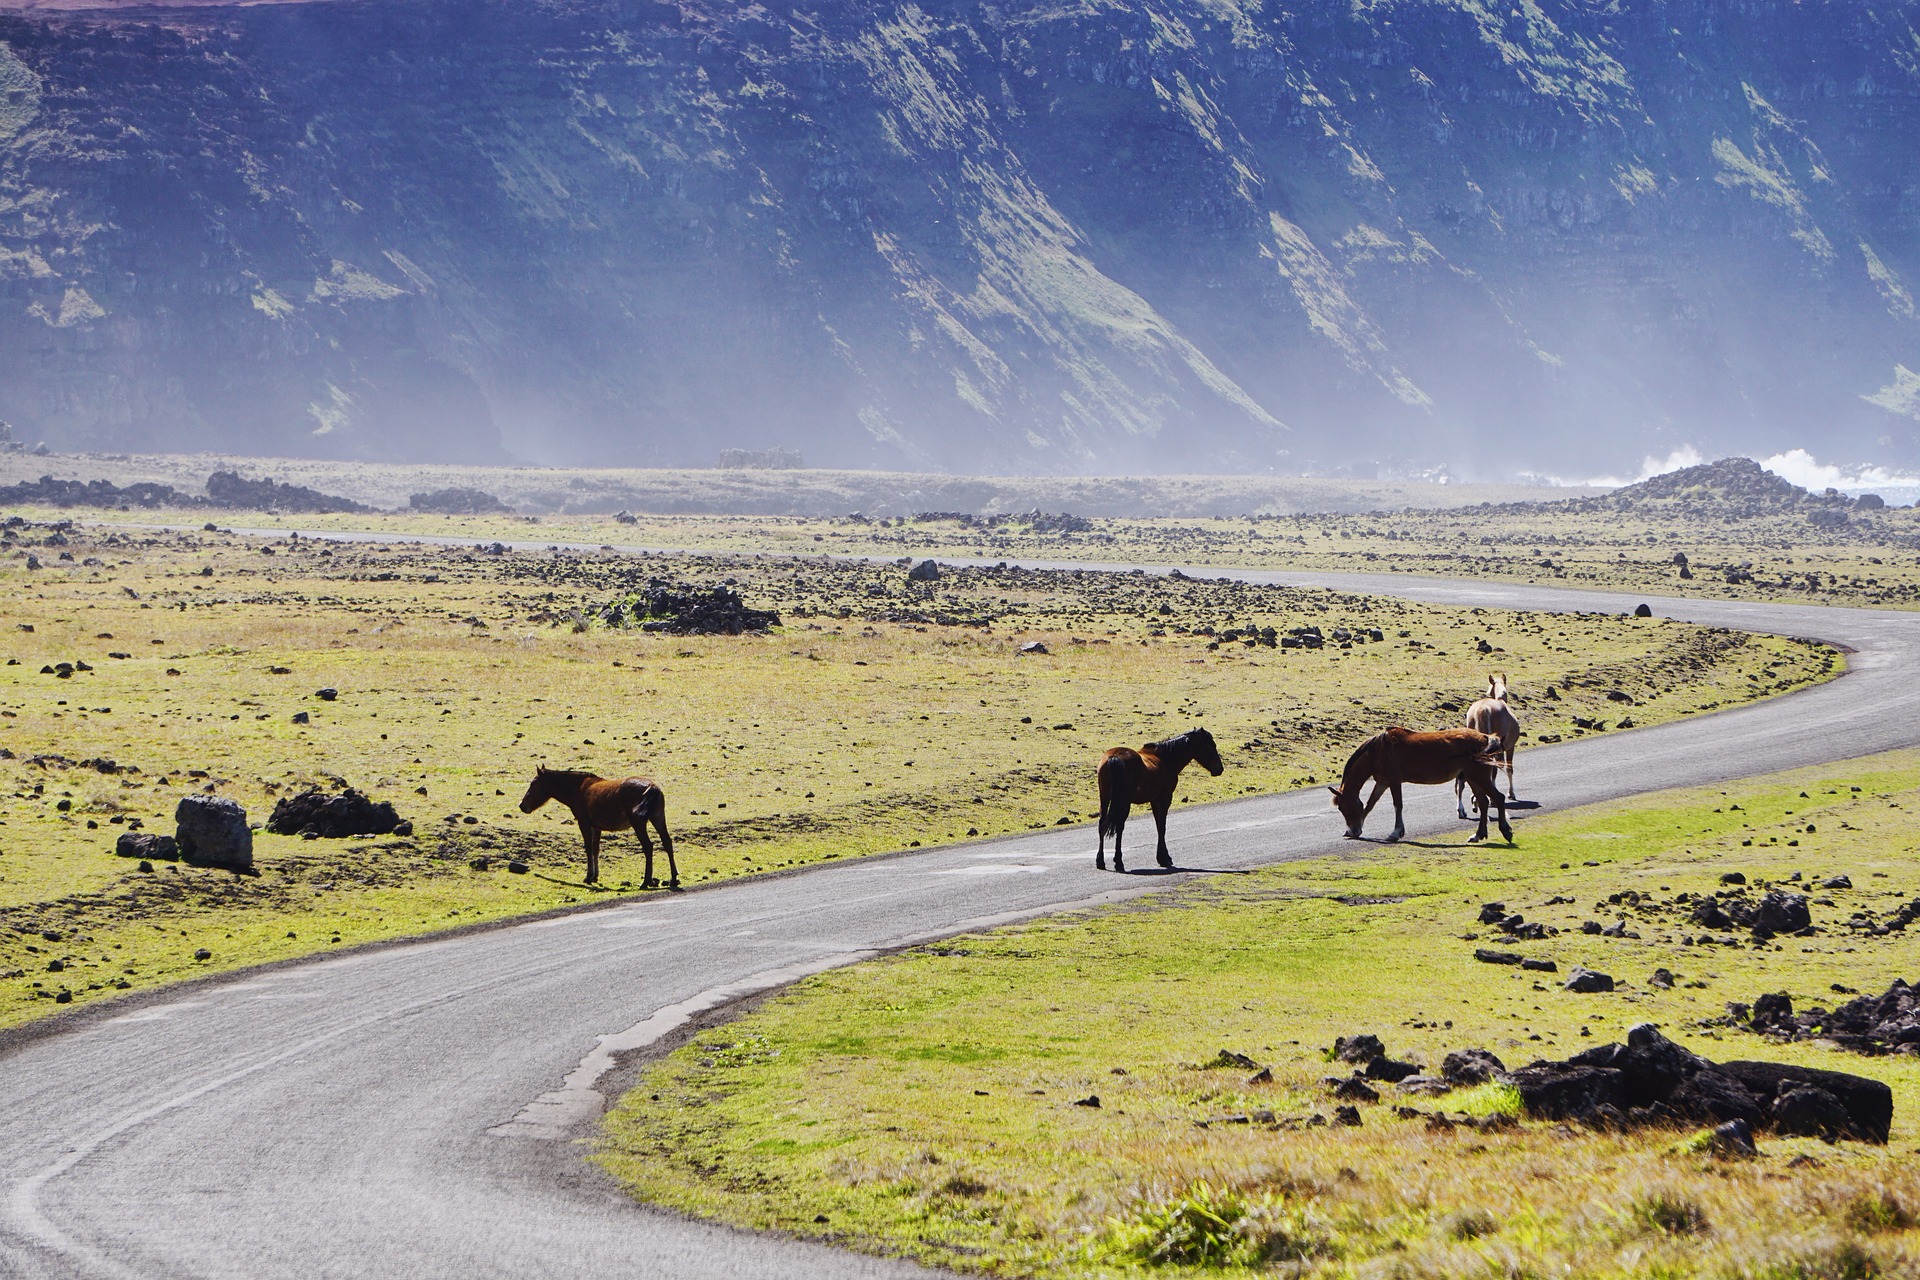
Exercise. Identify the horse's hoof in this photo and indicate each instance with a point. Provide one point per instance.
(1099, 864)
(649, 884)
(1165, 860)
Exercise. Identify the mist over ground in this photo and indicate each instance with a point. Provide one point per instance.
(1490, 242)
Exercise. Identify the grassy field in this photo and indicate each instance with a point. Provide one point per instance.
(1733, 551)
(882, 714)
(934, 1104)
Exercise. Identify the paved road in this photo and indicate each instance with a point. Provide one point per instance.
(408, 1111)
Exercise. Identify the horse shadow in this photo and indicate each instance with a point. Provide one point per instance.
(1190, 871)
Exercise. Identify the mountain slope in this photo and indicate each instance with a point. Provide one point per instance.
(1047, 235)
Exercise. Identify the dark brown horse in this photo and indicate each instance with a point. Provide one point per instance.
(1397, 756)
(604, 804)
(1147, 776)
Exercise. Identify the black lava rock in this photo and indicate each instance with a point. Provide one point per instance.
(1470, 1067)
(1586, 981)
(212, 832)
(349, 813)
(1358, 1049)
(138, 844)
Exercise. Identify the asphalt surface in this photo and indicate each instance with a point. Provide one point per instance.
(414, 1110)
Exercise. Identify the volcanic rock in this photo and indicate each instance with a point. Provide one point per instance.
(348, 813)
(212, 832)
(137, 844)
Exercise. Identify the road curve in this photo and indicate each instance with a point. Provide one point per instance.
(411, 1111)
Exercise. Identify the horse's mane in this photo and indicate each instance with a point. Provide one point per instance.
(1178, 741)
(1347, 779)
(568, 773)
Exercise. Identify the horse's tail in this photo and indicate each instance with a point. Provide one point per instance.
(1116, 794)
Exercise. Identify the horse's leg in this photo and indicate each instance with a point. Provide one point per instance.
(1106, 821)
(1506, 828)
(1122, 807)
(591, 835)
(1480, 807)
(666, 841)
(1160, 854)
(1459, 793)
(1510, 791)
(1399, 818)
(638, 816)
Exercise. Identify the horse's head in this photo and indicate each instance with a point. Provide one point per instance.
(538, 792)
(1497, 686)
(1351, 809)
(1205, 753)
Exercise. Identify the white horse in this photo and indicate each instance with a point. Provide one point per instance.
(1490, 716)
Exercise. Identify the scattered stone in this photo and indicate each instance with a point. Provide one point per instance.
(203, 954)
(517, 868)
(1493, 912)
(925, 571)
(1263, 1076)
(1732, 877)
(1836, 882)
(1385, 1068)
(1360, 1049)
(1093, 1100)
(1486, 955)
(301, 717)
(1661, 979)
(1772, 1012)
(1354, 1089)
(1470, 1067)
(1586, 981)
(140, 844)
(1643, 611)
(1228, 1058)
(348, 813)
(1032, 646)
(1732, 1141)
(1533, 965)
(212, 831)
(1781, 912)
(1348, 1116)
(326, 695)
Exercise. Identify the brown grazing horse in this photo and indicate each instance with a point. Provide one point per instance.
(603, 804)
(1490, 715)
(1147, 776)
(1396, 756)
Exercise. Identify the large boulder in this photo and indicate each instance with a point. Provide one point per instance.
(1561, 1091)
(1651, 1066)
(1781, 912)
(348, 813)
(212, 832)
(1868, 1103)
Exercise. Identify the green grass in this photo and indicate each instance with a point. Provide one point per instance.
(883, 714)
(925, 1105)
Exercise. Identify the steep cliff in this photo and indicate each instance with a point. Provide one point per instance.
(1041, 235)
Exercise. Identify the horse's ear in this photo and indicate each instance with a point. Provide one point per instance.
(539, 769)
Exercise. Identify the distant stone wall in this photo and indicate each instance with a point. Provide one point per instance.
(761, 460)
